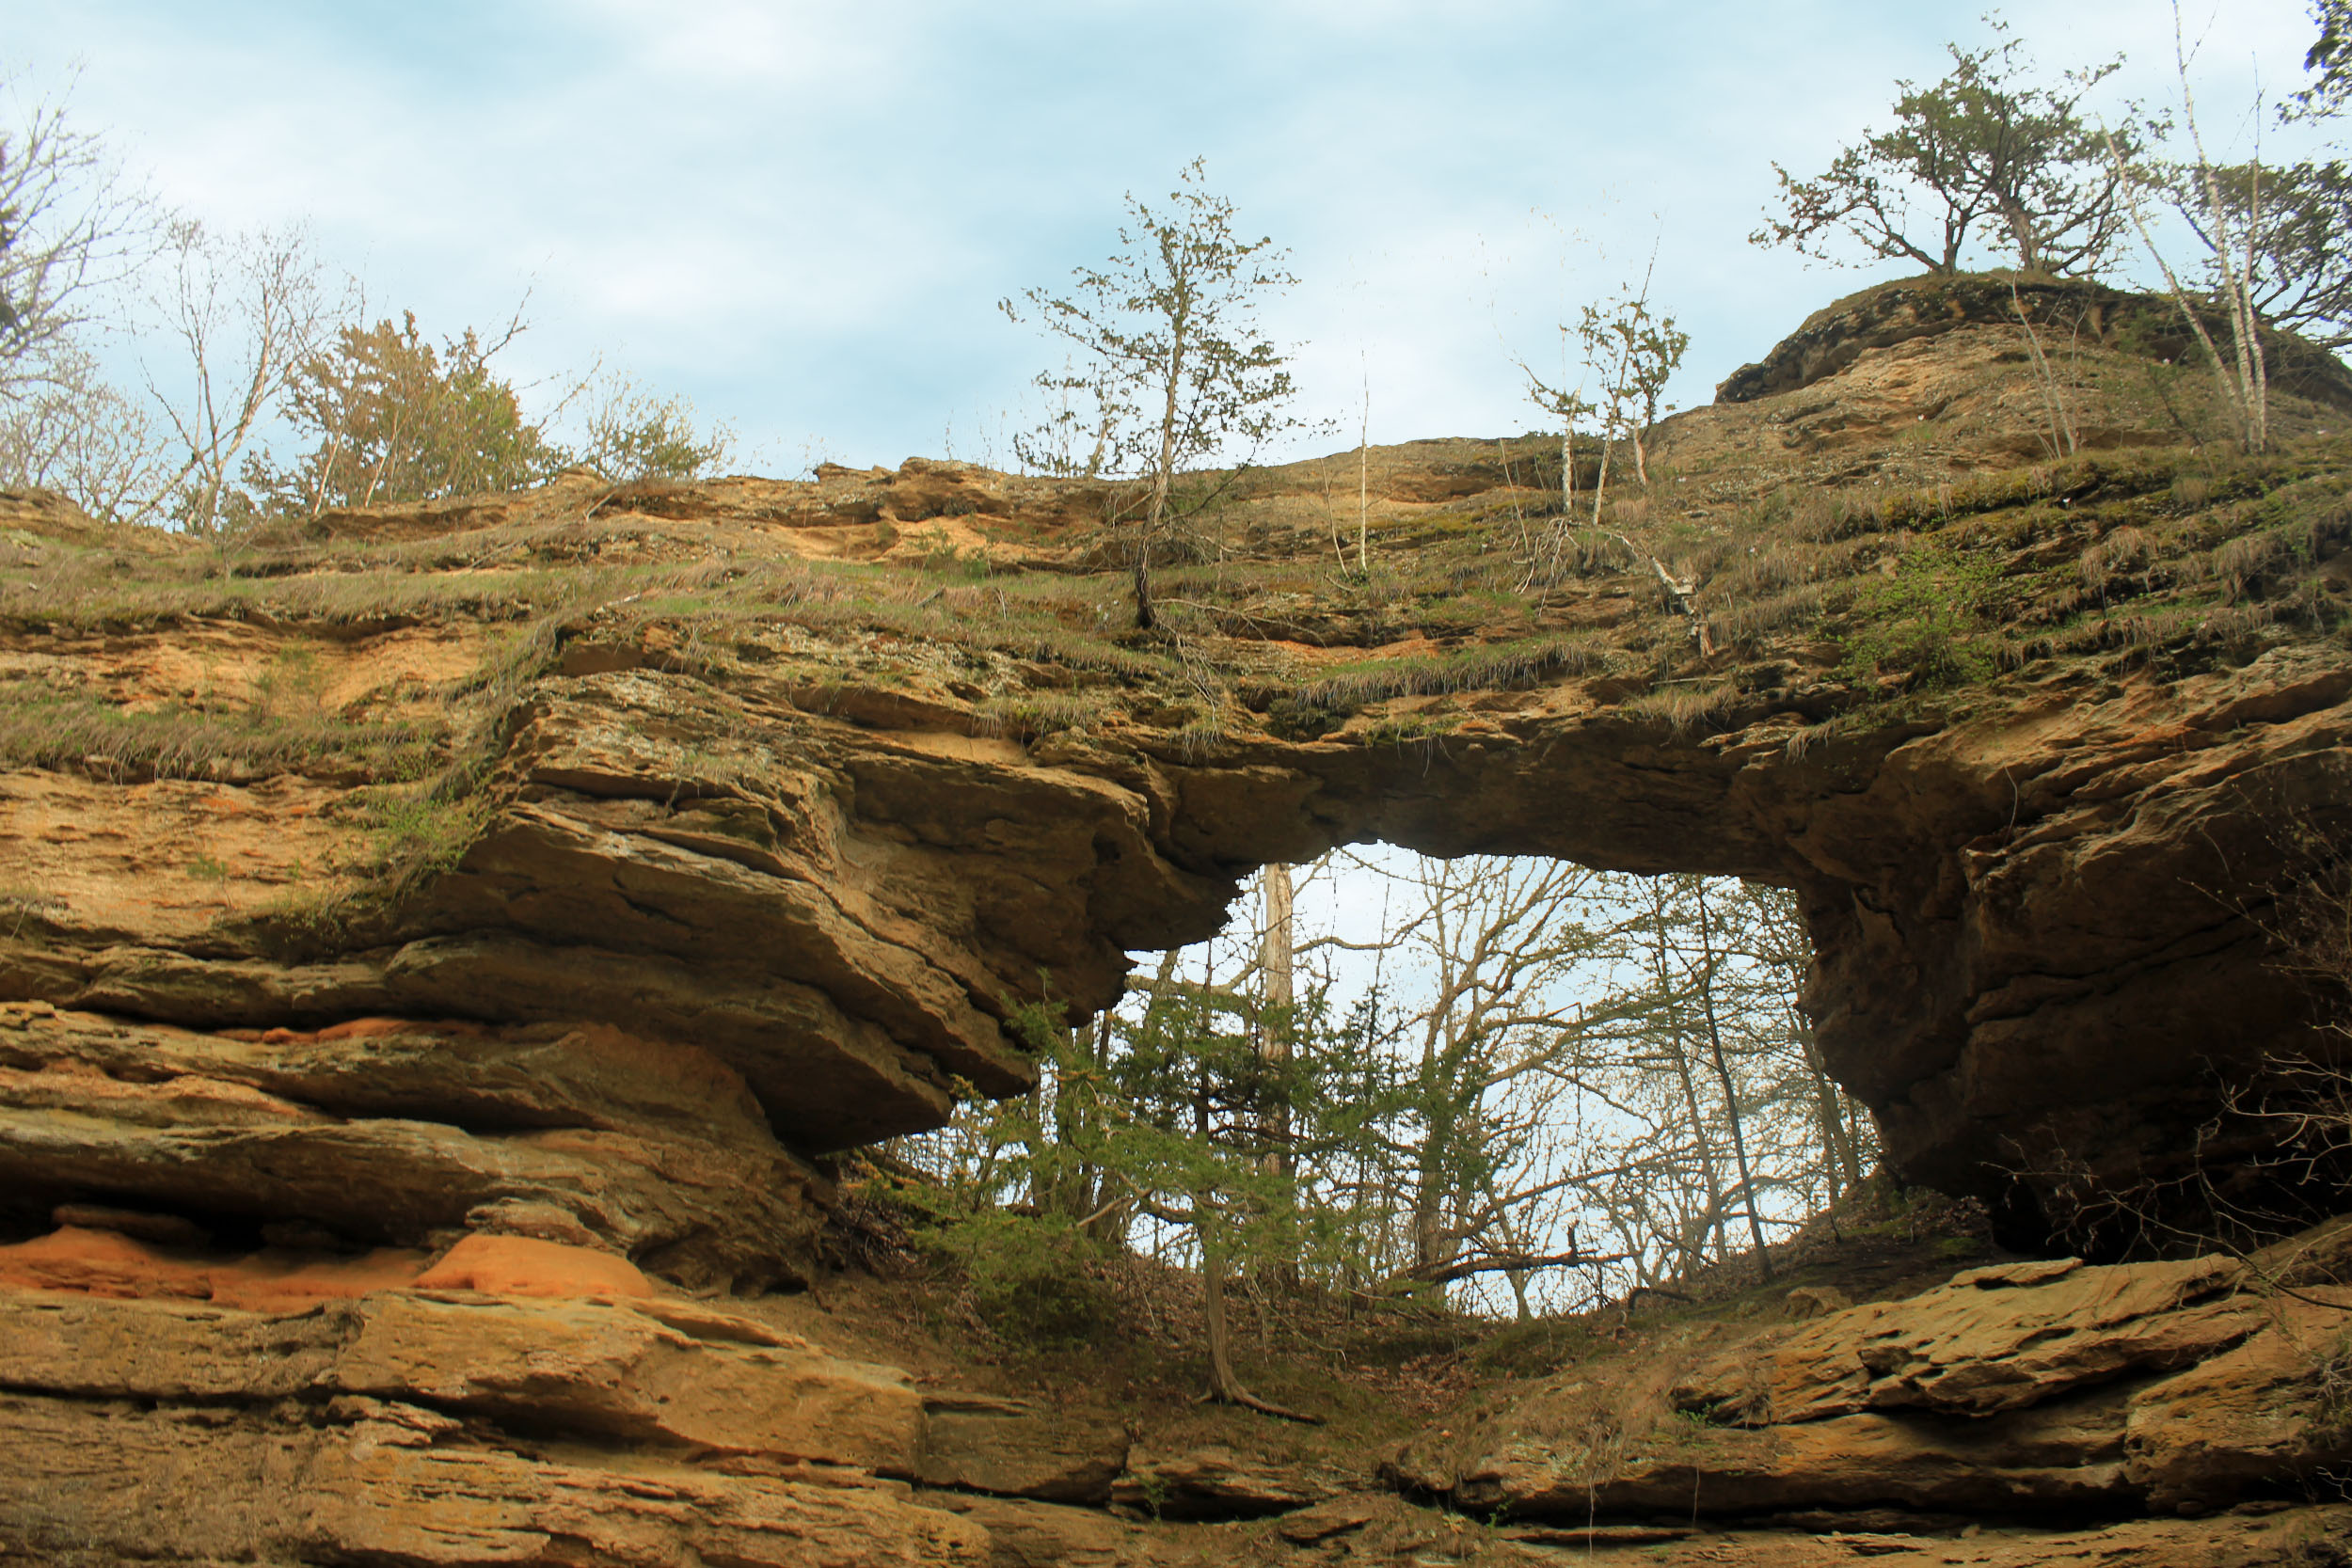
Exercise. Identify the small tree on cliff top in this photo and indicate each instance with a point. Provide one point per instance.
(394, 419)
(1980, 148)
(1174, 370)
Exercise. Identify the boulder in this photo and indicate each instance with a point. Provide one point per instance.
(387, 1131)
(2022, 1391)
(1011, 1447)
(2271, 1413)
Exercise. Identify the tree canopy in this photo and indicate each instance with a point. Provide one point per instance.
(392, 418)
(1984, 156)
(68, 226)
(1173, 371)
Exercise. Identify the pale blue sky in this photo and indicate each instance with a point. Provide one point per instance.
(802, 215)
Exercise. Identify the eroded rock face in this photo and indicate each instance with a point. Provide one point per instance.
(458, 1427)
(383, 1130)
(1995, 1340)
(722, 896)
(2044, 1389)
(714, 925)
(351, 1129)
(1929, 307)
(587, 1416)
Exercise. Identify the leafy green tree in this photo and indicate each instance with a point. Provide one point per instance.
(1173, 370)
(1982, 150)
(1185, 1120)
(2288, 227)
(395, 419)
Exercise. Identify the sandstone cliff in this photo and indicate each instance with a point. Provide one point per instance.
(582, 868)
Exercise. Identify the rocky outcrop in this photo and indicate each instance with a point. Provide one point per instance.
(2036, 1389)
(1011, 1449)
(454, 1427)
(379, 1130)
(1216, 1483)
(2061, 314)
(716, 891)
(1998, 1419)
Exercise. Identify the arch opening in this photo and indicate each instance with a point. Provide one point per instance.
(1514, 1085)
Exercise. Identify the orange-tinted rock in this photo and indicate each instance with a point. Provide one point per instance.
(383, 1481)
(617, 1370)
(809, 852)
(526, 1266)
(101, 1262)
(2024, 1389)
(389, 1130)
(1014, 1449)
(271, 1281)
(107, 1263)
(1217, 1483)
(2267, 1415)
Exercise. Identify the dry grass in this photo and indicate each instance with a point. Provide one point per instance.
(1490, 667)
(98, 739)
(1687, 709)
(1747, 622)
(1032, 715)
(2105, 554)
(2125, 550)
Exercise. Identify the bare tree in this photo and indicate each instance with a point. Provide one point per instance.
(2230, 230)
(246, 311)
(74, 433)
(1555, 1085)
(1703, 971)
(1629, 353)
(69, 229)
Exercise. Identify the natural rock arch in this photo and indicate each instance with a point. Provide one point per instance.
(2040, 930)
(732, 883)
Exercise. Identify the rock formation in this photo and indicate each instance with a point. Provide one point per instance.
(580, 869)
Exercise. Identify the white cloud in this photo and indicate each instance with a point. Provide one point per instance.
(800, 214)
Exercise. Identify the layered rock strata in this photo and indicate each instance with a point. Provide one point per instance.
(2051, 1390)
(521, 1404)
(584, 868)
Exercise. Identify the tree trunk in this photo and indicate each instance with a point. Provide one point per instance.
(1276, 1043)
(1723, 1071)
(1433, 1246)
(1837, 1152)
(1223, 1383)
(1682, 1072)
(1276, 970)
(1363, 483)
(1164, 469)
